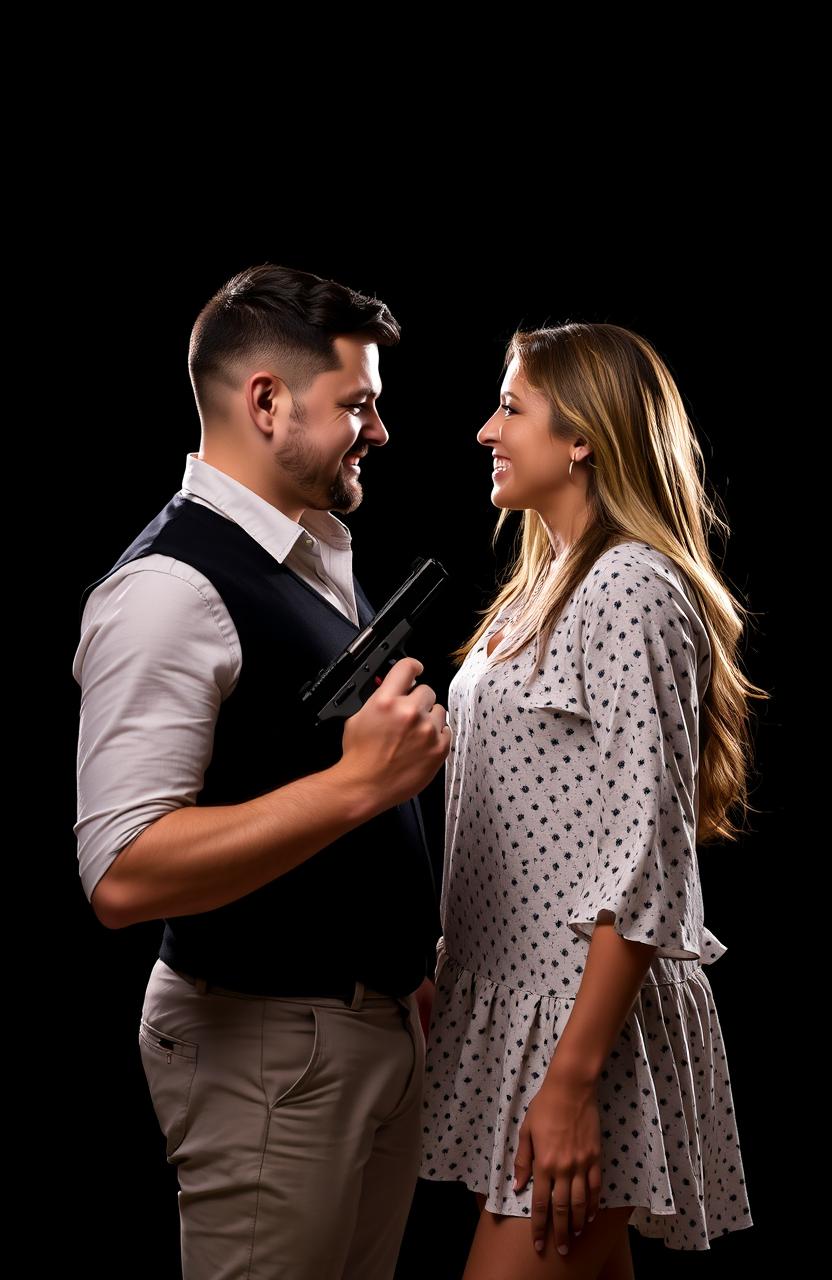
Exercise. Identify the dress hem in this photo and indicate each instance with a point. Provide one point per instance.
(650, 1231)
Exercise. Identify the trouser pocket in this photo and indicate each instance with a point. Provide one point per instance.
(293, 1052)
(169, 1066)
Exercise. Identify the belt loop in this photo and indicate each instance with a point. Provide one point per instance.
(201, 985)
(358, 996)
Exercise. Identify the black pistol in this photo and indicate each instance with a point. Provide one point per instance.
(341, 688)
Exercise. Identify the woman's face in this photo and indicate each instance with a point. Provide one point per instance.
(533, 465)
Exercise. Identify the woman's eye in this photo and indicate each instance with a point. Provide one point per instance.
(506, 408)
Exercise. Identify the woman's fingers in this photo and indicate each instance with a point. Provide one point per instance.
(570, 1202)
(560, 1214)
(593, 1182)
(579, 1203)
(541, 1208)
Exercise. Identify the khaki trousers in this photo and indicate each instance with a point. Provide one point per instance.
(294, 1125)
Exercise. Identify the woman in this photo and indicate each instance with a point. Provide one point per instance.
(599, 723)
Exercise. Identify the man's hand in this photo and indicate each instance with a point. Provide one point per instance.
(424, 999)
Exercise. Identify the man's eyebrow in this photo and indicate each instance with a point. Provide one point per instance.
(360, 391)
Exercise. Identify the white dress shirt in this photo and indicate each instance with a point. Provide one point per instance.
(159, 653)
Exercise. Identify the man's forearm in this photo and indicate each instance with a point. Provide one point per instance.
(614, 971)
(201, 857)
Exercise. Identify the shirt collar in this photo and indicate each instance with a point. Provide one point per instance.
(275, 531)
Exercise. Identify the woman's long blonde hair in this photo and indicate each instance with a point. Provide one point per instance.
(609, 386)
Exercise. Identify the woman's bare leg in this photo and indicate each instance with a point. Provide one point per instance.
(619, 1264)
(502, 1249)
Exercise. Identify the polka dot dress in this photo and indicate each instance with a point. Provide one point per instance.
(571, 789)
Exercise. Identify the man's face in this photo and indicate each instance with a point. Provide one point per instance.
(338, 421)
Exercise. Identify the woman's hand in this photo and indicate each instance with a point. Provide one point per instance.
(560, 1148)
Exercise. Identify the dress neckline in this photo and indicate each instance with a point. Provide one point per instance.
(496, 625)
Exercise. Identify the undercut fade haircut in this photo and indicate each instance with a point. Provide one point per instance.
(283, 318)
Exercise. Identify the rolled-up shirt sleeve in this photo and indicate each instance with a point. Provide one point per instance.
(639, 645)
(158, 654)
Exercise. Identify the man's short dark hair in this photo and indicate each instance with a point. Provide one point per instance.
(286, 318)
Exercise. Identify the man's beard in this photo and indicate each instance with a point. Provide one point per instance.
(346, 493)
(342, 494)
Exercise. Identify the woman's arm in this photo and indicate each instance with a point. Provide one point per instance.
(560, 1140)
(614, 971)
(638, 895)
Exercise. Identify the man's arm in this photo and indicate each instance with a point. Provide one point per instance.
(199, 858)
(158, 654)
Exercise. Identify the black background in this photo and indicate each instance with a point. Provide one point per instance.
(427, 492)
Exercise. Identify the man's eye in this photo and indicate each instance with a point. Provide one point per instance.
(355, 406)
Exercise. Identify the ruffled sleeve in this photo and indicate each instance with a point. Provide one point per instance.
(642, 643)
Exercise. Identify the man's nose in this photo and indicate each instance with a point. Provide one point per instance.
(376, 431)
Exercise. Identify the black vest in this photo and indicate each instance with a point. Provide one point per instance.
(363, 907)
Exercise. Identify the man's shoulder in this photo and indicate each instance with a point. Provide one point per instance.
(155, 594)
(145, 576)
(156, 608)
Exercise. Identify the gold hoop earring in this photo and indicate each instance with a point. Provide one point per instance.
(571, 464)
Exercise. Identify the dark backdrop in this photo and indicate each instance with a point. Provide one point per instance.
(427, 492)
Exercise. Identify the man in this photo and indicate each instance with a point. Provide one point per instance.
(280, 1032)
